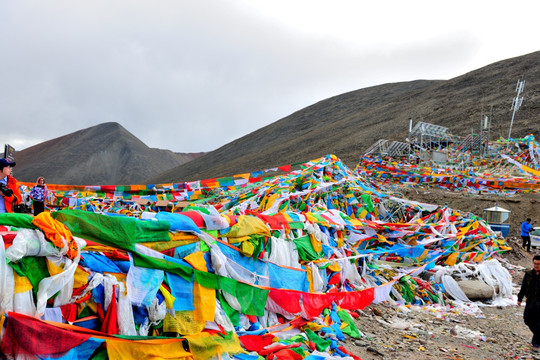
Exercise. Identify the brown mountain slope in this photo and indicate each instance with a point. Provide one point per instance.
(102, 154)
(347, 124)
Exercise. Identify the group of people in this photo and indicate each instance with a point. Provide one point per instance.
(10, 195)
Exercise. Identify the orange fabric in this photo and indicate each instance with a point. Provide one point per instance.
(8, 200)
(56, 232)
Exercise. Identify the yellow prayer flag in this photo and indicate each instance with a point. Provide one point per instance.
(162, 349)
(22, 284)
(452, 258)
(204, 299)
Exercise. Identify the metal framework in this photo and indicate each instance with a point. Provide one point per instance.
(485, 131)
(425, 129)
(428, 136)
(516, 103)
(398, 149)
(471, 142)
(380, 148)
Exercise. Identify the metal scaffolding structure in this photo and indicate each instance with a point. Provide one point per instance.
(380, 148)
(429, 136)
(395, 149)
(398, 149)
(471, 142)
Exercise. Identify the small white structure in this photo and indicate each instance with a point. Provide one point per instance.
(439, 156)
(498, 219)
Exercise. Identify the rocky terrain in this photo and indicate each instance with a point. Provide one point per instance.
(476, 332)
(481, 332)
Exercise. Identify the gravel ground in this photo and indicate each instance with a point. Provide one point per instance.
(481, 332)
(489, 333)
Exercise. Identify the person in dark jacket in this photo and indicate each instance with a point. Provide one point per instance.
(530, 289)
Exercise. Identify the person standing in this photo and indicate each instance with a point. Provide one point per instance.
(530, 289)
(526, 228)
(39, 194)
(9, 190)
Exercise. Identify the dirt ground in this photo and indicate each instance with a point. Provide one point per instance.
(489, 333)
(481, 332)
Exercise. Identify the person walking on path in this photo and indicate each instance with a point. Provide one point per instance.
(39, 194)
(526, 228)
(530, 289)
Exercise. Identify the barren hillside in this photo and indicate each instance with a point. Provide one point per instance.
(103, 154)
(347, 124)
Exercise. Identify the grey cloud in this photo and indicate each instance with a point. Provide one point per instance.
(180, 75)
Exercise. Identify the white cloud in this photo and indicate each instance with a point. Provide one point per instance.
(193, 76)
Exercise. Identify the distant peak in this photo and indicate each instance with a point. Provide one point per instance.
(108, 125)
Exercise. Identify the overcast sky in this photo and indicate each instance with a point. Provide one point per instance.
(191, 76)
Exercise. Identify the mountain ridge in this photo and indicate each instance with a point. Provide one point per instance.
(104, 154)
(344, 125)
(347, 124)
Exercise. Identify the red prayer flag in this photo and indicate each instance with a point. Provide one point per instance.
(285, 168)
(256, 342)
(285, 354)
(27, 335)
(110, 325)
(287, 300)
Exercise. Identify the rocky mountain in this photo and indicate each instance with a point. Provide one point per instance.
(104, 154)
(344, 125)
(347, 124)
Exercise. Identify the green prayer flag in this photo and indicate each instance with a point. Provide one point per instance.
(368, 202)
(320, 343)
(233, 315)
(296, 225)
(299, 350)
(203, 246)
(162, 264)
(34, 268)
(351, 328)
(118, 232)
(305, 249)
(18, 220)
(251, 299)
(148, 231)
(121, 232)
(100, 354)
